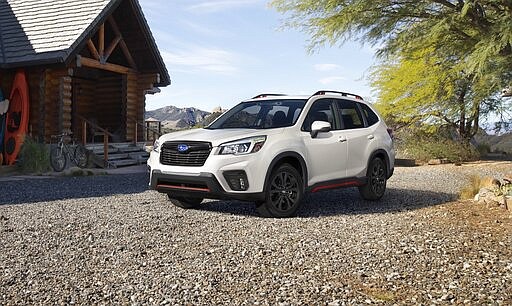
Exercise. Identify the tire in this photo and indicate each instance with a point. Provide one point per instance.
(81, 156)
(283, 194)
(185, 202)
(57, 159)
(377, 178)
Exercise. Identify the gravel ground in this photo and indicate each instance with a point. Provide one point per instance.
(108, 240)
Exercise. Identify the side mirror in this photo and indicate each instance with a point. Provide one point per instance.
(319, 127)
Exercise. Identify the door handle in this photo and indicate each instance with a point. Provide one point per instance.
(370, 137)
(342, 139)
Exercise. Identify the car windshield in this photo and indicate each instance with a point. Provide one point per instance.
(266, 114)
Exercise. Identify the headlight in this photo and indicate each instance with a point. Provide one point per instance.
(156, 146)
(243, 146)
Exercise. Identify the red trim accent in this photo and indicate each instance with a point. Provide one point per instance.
(182, 188)
(333, 186)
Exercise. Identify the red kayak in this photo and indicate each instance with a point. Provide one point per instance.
(17, 118)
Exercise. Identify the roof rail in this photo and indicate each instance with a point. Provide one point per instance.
(264, 95)
(345, 94)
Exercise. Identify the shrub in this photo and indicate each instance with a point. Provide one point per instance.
(472, 189)
(424, 145)
(34, 157)
(483, 148)
(476, 183)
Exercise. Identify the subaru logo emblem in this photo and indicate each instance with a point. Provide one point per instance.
(182, 148)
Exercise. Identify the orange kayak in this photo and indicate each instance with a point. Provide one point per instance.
(17, 118)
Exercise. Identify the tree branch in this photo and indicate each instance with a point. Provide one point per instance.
(446, 3)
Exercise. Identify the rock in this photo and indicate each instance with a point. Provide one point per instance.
(508, 202)
(339, 251)
(438, 161)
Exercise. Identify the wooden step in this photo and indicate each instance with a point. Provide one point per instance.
(119, 154)
(130, 149)
(116, 156)
(123, 162)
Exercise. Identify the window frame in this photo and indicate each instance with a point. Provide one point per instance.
(332, 107)
(358, 110)
(367, 123)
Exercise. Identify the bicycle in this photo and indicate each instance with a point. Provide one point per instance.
(60, 153)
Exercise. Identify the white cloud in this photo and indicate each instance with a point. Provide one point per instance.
(326, 67)
(221, 5)
(201, 59)
(331, 80)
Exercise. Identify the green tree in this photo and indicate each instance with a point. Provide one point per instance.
(418, 87)
(456, 54)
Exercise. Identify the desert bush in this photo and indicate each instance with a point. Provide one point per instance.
(34, 157)
(472, 189)
(475, 184)
(424, 145)
(483, 149)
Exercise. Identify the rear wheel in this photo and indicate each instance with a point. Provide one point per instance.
(81, 156)
(284, 193)
(57, 159)
(185, 202)
(377, 178)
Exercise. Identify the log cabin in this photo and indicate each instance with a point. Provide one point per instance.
(89, 65)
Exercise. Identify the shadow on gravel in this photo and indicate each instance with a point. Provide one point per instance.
(61, 188)
(345, 202)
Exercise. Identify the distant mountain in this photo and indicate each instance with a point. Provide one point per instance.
(176, 118)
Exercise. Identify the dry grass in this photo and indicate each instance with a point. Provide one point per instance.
(475, 184)
(471, 189)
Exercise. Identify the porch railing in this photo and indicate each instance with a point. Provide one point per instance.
(104, 132)
(145, 127)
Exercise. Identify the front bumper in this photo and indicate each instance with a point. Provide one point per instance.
(203, 185)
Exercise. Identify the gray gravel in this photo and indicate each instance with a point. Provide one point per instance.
(108, 240)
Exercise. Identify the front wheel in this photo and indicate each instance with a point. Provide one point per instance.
(283, 193)
(185, 202)
(377, 178)
(81, 156)
(57, 159)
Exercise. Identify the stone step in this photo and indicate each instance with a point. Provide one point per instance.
(116, 156)
(123, 162)
(100, 151)
(130, 149)
(120, 154)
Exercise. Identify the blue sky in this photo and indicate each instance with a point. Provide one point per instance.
(220, 52)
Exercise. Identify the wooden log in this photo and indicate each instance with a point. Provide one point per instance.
(101, 41)
(93, 50)
(91, 63)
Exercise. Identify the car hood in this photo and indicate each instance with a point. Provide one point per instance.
(217, 136)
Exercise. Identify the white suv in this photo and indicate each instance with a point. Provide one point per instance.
(271, 149)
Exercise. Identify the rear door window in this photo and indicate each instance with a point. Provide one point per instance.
(349, 114)
(371, 116)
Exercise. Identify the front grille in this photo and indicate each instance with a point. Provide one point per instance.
(195, 156)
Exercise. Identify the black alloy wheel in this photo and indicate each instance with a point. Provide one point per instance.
(284, 193)
(377, 179)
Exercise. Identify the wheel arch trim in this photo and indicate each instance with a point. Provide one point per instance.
(386, 160)
(282, 156)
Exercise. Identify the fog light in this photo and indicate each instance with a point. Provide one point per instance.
(237, 180)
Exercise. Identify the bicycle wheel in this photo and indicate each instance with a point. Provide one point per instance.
(57, 159)
(81, 156)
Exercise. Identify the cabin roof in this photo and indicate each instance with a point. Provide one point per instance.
(39, 32)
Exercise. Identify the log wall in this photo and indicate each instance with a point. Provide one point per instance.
(57, 102)
(58, 98)
(108, 105)
(84, 94)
